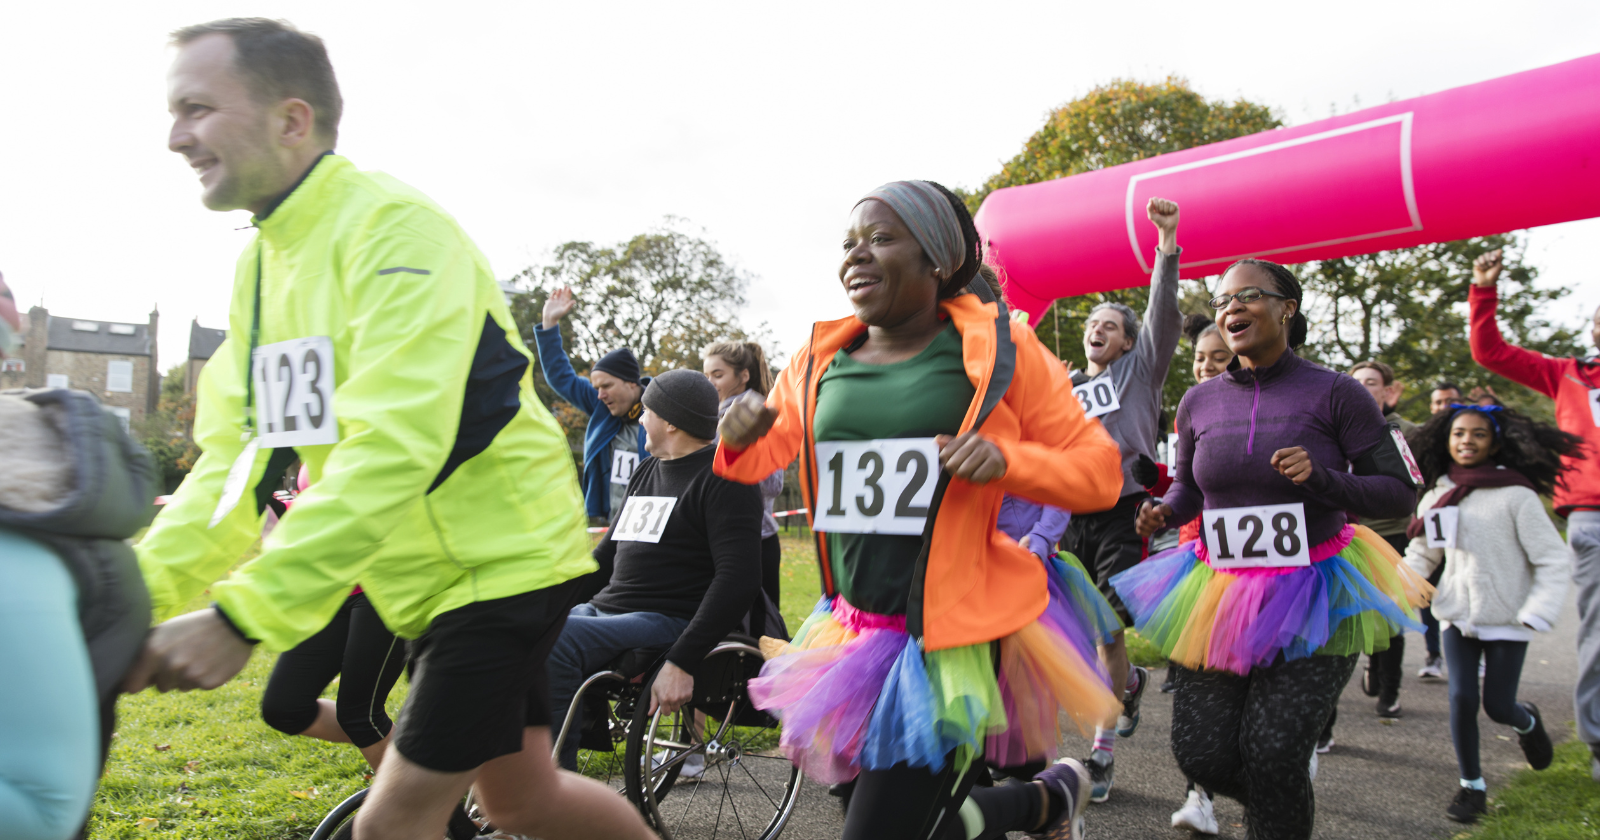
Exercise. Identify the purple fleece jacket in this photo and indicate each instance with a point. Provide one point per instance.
(1229, 426)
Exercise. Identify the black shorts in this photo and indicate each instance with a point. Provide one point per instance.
(478, 679)
(1106, 543)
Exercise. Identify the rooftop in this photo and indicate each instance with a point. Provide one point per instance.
(204, 341)
(77, 335)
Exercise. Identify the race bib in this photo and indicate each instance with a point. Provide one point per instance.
(1405, 455)
(1247, 537)
(1594, 405)
(643, 518)
(1098, 396)
(622, 465)
(1439, 526)
(294, 393)
(875, 486)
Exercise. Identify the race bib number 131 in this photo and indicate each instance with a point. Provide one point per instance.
(294, 393)
(875, 486)
(643, 518)
(1268, 535)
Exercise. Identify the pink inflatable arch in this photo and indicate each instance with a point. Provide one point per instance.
(1510, 153)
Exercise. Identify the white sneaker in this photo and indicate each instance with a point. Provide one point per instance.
(693, 767)
(1313, 765)
(1432, 669)
(1195, 815)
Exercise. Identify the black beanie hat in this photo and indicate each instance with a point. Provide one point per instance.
(620, 363)
(686, 399)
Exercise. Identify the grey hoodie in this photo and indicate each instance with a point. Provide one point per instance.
(73, 480)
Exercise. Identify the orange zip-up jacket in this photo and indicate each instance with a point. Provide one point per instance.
(978, 585)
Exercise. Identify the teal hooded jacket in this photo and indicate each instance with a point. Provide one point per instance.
(449, 483)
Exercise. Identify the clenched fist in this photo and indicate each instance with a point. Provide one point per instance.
(1164, 214)
(746, 421)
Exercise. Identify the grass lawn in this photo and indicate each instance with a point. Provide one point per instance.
(1559, 803)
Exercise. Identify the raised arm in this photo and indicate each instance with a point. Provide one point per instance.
(553, 360)
(1163, 322)
(1489, 348)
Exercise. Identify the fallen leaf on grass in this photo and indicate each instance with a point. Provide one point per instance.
(191, 765)
(163, 747)
(308, 793)
(1503, 737)
(147, 823)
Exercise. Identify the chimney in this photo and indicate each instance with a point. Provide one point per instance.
(35, 345)
(152, 396)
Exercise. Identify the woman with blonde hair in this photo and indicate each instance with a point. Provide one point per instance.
(735, 367)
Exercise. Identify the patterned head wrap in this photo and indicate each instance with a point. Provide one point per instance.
(933, 222)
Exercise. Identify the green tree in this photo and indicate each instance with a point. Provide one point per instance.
(664, 293)
(1408, 309)
(1116, 123)
(167, 432)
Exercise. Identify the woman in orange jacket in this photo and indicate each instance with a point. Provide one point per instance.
(938, 638)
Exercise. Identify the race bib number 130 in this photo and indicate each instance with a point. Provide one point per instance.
(875, 486)
(1098, 397)
(1268, 535)
(294, 392)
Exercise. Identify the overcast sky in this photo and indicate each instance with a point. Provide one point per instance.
(537, 123)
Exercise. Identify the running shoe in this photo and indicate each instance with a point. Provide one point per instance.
(1167, 685)
(1196, 814)
(1468, 805)
(1432, 669)
(1324, 745)
(1369, 686)
(1389, 708)
(1128, 721)
(1536, 742)
(1067, 783)
(1312, 769)
(1102, 768)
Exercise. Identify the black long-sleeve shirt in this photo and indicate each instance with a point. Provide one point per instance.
(707, 565)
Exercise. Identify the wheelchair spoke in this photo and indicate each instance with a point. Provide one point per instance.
(758, 784)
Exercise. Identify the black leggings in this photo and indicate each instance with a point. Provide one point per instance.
(355, 647)
(1251, 737)
(1502, 670)
(771, 567)
(911, 803)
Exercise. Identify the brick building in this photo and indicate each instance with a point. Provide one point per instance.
(203, 344)
(115, 362)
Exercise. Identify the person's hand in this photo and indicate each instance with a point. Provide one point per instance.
(196, 650)
(971, 457)
(559, 305)
(1164, 214)
(746, 421)
(1152, 517)
(1067, 363)
(1486, 268)
(1293, 463)
(671, 688)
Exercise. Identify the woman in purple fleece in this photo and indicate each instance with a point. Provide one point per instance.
(1265, 615)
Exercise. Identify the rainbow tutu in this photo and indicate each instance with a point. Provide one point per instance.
(855, 691)
(1353, 598)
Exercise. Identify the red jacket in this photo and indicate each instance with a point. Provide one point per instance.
(1573, 383)
(980, 585)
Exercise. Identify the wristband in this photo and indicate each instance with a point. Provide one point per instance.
(231, 626)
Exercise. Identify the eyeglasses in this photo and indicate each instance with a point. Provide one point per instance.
(1249, 294)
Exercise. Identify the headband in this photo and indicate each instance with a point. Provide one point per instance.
(932, 220)
(1488, 411)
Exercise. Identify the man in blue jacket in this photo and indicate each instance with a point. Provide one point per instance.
(614, 442)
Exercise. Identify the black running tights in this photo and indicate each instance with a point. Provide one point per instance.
(911, 803)
(356, 648)
(1251, 737)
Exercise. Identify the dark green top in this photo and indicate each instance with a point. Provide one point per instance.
(923, 396)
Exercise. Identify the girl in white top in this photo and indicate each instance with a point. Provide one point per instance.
(1506, 569)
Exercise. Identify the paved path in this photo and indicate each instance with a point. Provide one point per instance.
(1379, 782)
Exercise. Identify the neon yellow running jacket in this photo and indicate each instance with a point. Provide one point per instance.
(450, 483)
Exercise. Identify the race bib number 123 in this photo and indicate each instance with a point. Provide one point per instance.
(294, 393)
(875, 486)
(1268, 535)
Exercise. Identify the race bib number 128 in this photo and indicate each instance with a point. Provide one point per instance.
(1268, 535)
(875, 486)
(294, 393)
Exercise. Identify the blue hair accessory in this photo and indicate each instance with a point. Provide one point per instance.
(1488, 411)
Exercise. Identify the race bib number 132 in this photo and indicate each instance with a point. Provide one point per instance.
(1268, 535)
(294, 392)
(875, 486)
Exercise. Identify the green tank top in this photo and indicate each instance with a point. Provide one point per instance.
(925, 395)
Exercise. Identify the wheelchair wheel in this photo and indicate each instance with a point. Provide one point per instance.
(340, 822)
(746, 789)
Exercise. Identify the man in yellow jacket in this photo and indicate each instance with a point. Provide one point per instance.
(369, 339)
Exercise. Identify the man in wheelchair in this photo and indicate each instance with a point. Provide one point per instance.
(680, 565)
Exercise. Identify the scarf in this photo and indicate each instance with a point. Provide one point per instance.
(1468, 479)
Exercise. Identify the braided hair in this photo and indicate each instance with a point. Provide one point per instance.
(973, 247)
(1526, 445)
(1288, 286)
